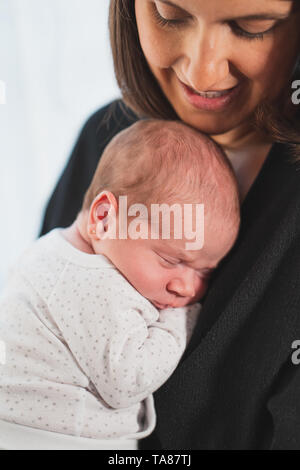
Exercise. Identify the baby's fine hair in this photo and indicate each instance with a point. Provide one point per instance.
(159, 161)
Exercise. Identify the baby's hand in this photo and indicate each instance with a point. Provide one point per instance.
(190, 313)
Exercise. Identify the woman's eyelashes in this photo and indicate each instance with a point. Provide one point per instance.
(234, 26)
(168, 22)
(238, 31)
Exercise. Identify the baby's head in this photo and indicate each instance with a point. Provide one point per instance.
(156, 162)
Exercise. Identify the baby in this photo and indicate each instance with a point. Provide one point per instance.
(97, 316)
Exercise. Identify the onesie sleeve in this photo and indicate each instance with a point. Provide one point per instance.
(140, 358)
(127, 352)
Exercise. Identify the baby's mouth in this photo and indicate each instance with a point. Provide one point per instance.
(161, 306)
(158, 305)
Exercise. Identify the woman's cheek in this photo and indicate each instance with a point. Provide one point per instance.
(268, 59)
(159, 47)
(253, 61)
(154, 41)
(259, 65)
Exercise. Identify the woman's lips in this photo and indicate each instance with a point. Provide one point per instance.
(212, 100)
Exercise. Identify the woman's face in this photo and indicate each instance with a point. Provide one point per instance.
(217, 60)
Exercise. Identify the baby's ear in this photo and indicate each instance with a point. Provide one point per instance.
(102, 214)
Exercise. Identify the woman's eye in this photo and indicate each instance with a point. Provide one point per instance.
(250, 31)
(167, 22)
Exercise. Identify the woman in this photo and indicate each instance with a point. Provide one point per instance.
(226, 68)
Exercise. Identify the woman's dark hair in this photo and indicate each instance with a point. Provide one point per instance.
(281, 121)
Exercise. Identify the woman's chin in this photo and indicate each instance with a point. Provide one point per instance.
(211, 125)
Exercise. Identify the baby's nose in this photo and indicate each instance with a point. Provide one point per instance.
(184, 286)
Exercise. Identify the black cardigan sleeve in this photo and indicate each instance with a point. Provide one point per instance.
(68, 195)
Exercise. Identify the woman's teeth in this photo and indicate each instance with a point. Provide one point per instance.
(211, 94)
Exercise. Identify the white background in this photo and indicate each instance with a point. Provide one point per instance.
(55, 60)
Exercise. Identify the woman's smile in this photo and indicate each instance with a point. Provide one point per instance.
(211, 100)
(216, 61)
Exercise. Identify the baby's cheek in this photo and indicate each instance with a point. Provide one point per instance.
(201, 288)
(147, 278)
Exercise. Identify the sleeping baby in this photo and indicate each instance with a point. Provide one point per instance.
(96, 317)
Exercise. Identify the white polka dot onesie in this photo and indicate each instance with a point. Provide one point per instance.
(84, 350)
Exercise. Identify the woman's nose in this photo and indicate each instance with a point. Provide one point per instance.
(206, 65)
(183, 285)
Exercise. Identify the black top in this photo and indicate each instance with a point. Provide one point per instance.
(236, 386)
